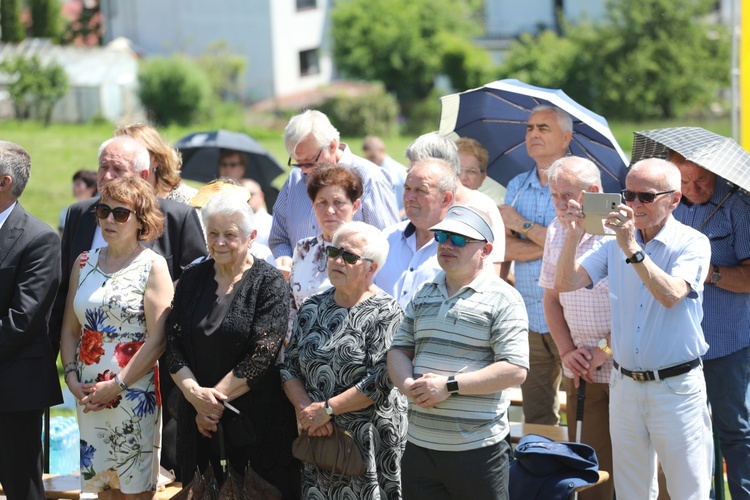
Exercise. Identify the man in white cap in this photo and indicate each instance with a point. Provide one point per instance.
(462, 343)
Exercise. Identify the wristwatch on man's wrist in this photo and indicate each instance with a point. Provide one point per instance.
(526, 227)
(329, 410)
(637, 257)
(452, 385)
(716, 275)
(604, 346)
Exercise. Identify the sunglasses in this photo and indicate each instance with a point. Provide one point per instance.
(120, 214)
(304, 165)
(642, 197)
(456, 239)
(349, 258)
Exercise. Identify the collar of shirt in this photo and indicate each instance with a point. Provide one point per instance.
(478, 284)
(6, 213)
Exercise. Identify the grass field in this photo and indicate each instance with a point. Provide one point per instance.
(59, 150)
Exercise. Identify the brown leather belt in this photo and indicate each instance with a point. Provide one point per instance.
(648, 376)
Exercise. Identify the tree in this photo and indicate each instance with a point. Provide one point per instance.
(401, 44)
(224, 70)
(34, 87)
(45, 19)
(173, 90)
(651, 59)
(10, 21)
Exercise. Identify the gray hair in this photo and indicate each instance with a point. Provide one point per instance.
(447, 177)
(309, 123)
(15, 162)
(563, 118)
(668, 173)
(231, 206)
(141, 158)
(583, 170)
(434, 145)
(376, 244)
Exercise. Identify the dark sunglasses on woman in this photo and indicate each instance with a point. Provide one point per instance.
(629, 195)
(456, 239)
(349, 258)
(120, 214)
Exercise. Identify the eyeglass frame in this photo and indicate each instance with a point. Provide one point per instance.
(347, 256)
(114, 211)
(458, 243)
(641, 196)
(304, 165)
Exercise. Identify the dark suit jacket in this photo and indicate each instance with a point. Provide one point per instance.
(29, 276)
(181, 243)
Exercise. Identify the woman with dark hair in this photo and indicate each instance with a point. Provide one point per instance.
(336, 192)
(112, 336)
(224, 333)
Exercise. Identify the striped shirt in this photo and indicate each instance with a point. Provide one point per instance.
(534, 202)
(293, 215)
(728, 231)
(587, 311)
(481, 324)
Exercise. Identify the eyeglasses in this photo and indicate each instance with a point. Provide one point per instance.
(456, 239)
(642, 197)
(349, 258)
(471, 171)
(304, 165)
(120, 214)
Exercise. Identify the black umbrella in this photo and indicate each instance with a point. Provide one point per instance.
(200, 156)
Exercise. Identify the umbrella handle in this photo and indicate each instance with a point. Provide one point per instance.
(581, 398)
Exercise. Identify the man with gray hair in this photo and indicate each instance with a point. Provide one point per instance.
(580, 321)
(433, 145)
(657, 267)
(181, 243)
(429, 190)
(29, 274)
(462, 343)
(527, 212)
(311, 139)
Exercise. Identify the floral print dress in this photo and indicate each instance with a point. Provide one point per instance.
(119, 444)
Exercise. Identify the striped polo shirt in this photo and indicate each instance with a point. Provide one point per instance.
(483, 323)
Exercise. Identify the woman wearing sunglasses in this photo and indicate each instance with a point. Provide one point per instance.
(112, 336)
(335, 369)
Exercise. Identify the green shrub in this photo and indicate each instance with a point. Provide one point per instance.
(375, 113)
(174, 90)
(34, 87)
(423, 116)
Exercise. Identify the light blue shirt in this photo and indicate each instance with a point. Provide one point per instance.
(397, 174)
(534, 202)
(726, 315)
(407, 266)
(293, 215)
(645, 334)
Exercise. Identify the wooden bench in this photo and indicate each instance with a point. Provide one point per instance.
(554, 432)
(516, 398)
(69, 487)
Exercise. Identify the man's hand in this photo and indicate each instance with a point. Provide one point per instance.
(429, 390)
(582, 363)
(573, 218)
(511, 218)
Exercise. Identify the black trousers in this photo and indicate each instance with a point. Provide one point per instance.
(21, 455)
(476, 474)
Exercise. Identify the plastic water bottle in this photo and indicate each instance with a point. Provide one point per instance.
(64, 445)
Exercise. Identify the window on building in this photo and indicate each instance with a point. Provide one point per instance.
(306, 4)
(308, 62)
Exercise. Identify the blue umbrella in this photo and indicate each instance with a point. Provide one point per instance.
(496, 116)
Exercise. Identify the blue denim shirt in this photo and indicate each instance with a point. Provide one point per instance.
(726, 315)
(534, 202)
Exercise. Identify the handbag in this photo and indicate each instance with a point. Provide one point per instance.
(338, 453)
(238, 432)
